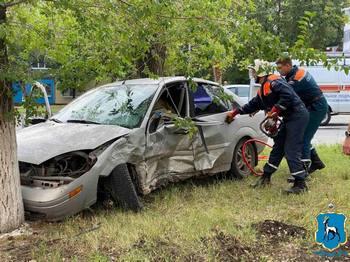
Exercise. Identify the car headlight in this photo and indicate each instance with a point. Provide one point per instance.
(59, 170)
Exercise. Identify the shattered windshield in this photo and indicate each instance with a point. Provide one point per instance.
(122, 105)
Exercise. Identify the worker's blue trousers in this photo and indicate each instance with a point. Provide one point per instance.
(317, 113)
(289, 143)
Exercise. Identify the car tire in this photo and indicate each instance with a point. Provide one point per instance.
(327, 119)
(239, 169)
(122, 189)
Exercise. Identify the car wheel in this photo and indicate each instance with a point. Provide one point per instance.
(238, 167)
(122, 189)
(326, 119)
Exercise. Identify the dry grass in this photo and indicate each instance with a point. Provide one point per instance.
(200, 221)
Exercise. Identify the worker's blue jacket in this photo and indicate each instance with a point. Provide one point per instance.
(275, 91)
(306, 87)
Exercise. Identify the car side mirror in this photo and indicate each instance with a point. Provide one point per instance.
(157, 120)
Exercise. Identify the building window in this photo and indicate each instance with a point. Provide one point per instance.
(68, 92)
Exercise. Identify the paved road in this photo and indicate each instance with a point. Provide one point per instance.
(334, 132)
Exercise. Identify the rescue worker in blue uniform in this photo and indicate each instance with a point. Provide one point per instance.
(310, 93)
(278, 98)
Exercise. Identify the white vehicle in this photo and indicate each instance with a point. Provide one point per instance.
(242, 91)
(336, 88)
(121, 139)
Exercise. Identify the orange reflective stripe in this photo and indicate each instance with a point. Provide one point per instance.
(267, 85)
(267, 88)
(300, 74)
(273, 77)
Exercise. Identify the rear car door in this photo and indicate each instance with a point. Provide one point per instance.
(209, 113)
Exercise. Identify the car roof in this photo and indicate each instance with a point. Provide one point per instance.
(241, 85)
(238, 85)
(157, 81)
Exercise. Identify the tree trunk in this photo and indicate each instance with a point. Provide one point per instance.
(153, 62)
(217, 72)
(11, 205)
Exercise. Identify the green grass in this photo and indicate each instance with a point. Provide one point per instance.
(181, 221)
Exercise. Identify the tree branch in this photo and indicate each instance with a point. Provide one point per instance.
(13, 3)
(125, 2)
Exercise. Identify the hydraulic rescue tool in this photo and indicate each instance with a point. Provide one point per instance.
(270, 127)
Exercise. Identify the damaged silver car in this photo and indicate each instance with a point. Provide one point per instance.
(121, 139)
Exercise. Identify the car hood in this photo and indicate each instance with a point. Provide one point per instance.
(41, 142)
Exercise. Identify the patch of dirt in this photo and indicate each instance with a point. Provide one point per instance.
(277, 231)
(22, 247)
(292, 252)
(112, 252)
(19, 244)
(159, 249)
(195, 257)
(229, 248)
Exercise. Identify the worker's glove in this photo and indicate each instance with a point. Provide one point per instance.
(274, 113)
(231, 115)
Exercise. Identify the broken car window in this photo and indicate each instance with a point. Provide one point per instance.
(206, 101)
(122, 105)
(170, 105)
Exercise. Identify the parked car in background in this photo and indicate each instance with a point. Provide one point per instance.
(123, 139)
(242, 91)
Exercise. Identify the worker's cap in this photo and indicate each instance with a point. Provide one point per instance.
(261, 68)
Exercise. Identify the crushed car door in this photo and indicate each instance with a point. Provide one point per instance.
(169, 149)
(208, 111)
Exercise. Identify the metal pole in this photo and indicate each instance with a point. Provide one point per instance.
(47, 104)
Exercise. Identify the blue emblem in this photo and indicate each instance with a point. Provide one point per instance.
(331, 232)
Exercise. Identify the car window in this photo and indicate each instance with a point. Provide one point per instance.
(242, 91)
(122, 105)
(233, 90)
(207, 100)
(171, 104)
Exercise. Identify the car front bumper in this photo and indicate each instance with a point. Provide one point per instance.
(56, 203)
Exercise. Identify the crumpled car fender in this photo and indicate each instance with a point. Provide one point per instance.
(128, 149)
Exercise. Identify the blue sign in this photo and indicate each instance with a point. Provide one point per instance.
(331, 232)
(49, 86)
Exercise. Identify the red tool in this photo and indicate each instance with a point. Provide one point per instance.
(271, 126)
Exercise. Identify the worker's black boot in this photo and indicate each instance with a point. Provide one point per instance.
(298, 187)
(316, 162)
(263, 181)
(291, 179)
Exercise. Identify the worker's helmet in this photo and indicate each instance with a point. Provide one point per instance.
(261, 68)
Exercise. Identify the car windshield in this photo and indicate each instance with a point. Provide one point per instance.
(122, 105)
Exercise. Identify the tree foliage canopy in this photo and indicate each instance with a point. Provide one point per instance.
(103, 40)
